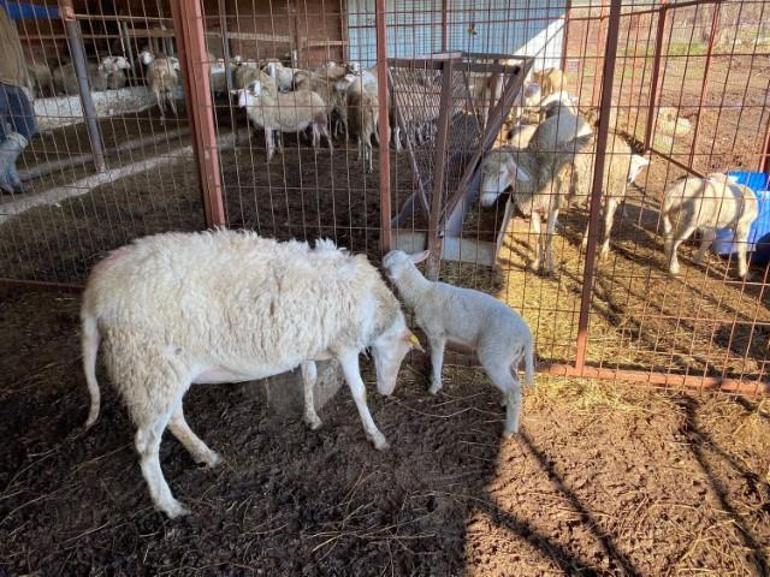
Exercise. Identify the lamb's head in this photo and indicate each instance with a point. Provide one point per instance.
(637, 164)
(271, 68)
(248, 96)
(397, 264)
(146, 57)
(498, 172)
(389, 349)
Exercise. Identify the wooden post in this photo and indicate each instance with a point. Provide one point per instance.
(191, 46)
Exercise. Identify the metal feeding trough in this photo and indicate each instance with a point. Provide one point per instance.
(438, 90)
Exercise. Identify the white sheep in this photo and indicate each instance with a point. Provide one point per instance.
(520, 136)
(66, 81)
(283, 75)
(163, 77)
(500, 337)
(707, 204)
(545, 181)
(113, 68)
(285, 112)
(178, 309)
(362, 113)
(41, 79)
(247, 71)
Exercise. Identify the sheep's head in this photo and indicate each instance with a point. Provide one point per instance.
(389, 349)
(146, 57)
(499, 171)
(635, 167)
(353, 67)
(122, 63)
(248, 96)
(397, 263)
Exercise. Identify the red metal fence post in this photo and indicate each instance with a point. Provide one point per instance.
(654, 90)
(191, 47)
(386, 232)
(704, 86)
(608, 76)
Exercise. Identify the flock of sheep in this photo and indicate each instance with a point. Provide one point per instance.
(549, 166)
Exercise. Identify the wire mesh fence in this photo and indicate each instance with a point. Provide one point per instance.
(684, 85)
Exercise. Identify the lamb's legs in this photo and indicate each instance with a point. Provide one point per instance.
(709, 235)
(309, 377)
(503, 379)
(349, 362)
(147, 442)
(436, 362)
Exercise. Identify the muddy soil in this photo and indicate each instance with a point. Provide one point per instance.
(605, 479)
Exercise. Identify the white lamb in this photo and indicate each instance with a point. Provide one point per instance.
(220, 307)
(707, 204)
(500, 337)
(284, 112)
(163, 76)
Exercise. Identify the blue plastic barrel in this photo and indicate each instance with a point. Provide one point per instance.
(759, 182)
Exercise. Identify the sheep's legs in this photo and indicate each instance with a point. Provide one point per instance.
(172, 103)
(352, 373)
(309, 377)
(147, 443)
(709, 235)
(503, 378)
(436, 362)
(534, 227)
(269, 144)
(326, 134)
(609, 219)
(742, 238)
(190, 441)
(547, 245)
(680, 236)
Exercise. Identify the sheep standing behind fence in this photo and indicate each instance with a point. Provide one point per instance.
(285, 112)
(362, 112)
(707, 204)
(500, 337)
(163, 78)
(218, 307)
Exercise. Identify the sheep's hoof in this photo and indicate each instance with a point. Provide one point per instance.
(313, 422)
(210, 460)
(508, 433)
(434, 389)
(674, 270)
(380, 443)
(175, 509)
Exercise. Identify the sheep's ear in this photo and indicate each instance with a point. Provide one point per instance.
(414, 342)
(419, 257)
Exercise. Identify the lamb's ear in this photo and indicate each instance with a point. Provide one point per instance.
(419, 257)
(413, 341)
(516, 172)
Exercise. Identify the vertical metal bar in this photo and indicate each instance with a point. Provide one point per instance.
(704, 86)
(654, 89)
(596, 92)
(386, 232)
(439, 160)
(564, 34)
(608, 76)
(191, 46)
(78, 53)
(444, 25)
(764, 160)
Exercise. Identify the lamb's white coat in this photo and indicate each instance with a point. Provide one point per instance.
(500, 337)
(707, 204)
(217, 307)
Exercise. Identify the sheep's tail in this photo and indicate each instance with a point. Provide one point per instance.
(529, 362)
(90, 343)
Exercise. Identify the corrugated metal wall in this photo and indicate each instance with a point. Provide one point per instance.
(506, 26)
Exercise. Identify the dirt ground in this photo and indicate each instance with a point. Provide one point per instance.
(605, 479)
